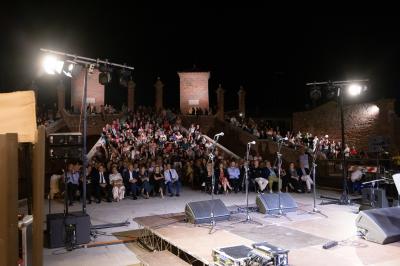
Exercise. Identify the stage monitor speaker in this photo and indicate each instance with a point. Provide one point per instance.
(269, 203)
(198, 212)
(56, 228)
(381, 226)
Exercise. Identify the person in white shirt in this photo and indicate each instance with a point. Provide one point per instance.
(172, 179)
(118, 185)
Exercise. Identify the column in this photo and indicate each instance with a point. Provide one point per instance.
(131, 95)
(242, 101)
(220, 102)
(159, 94)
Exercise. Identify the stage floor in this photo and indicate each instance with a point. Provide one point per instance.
(302, 233)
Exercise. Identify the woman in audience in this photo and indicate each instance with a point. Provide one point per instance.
(158, 178)
(118, 185)
(222, 175)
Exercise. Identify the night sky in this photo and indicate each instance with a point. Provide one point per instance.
(271, 55)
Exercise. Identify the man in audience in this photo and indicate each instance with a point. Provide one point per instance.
(172, 180)
(234, 174)
(102, 184)
(72, 180)
(304, 174)
(272, 177)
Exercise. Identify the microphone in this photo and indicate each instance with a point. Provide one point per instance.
(219, 134)
(252, 142)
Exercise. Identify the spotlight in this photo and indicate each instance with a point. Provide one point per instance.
(125, 77)
(52, 65)
(105, 75)
(315, 93)
(331, 91)
(70, 69)
(354, 89)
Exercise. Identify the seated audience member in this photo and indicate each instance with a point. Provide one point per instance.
(222, 175)
(258, 175)
(89, 183)
(272, 177)
(304, 174)
(234, 176)
(72, 180)
(158, 179)
(102, 185)
(117, 183)
(171, 180)
(145, 182)
(134, 182)
(290, 182)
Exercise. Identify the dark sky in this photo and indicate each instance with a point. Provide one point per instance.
(271, 55)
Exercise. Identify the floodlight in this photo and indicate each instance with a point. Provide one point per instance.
(52, 65)
(354, 89)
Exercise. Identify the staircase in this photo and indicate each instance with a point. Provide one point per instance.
(236, 139)
(95, 122)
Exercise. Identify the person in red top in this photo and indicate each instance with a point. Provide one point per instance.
(353, 151)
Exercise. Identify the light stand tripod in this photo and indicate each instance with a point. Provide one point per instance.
(246, 169)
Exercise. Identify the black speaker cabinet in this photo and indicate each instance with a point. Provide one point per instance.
(269, 203)
(56, 228)
(198, 212)
(66, 139)
(67, 152)
(374, 197)
(380, 225)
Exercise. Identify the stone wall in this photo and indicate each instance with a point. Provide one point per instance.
(95, 91)
(193, 90)
(362, 122)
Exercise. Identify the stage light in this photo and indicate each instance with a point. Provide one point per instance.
(125, 77)
(68, 70)
(52, 65)
(373, 110)
(354, 89)
(105, 75)
(315, 93)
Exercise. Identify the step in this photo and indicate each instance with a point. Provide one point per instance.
(159, 258)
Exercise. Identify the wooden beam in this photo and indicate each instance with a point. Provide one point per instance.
(38, 197)
(8, 199)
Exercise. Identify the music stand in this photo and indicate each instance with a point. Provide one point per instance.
(248, 219)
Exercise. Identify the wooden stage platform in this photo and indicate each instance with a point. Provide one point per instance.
(302, 233)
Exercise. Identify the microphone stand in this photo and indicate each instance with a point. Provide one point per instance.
(315, 210)
(211, 157)
(279, 209)
(246, 170)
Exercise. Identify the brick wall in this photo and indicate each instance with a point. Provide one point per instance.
(362, 122)
(193, 90)
(95, 91)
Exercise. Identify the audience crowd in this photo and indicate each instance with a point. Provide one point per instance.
(324, 146)
(149, 154)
